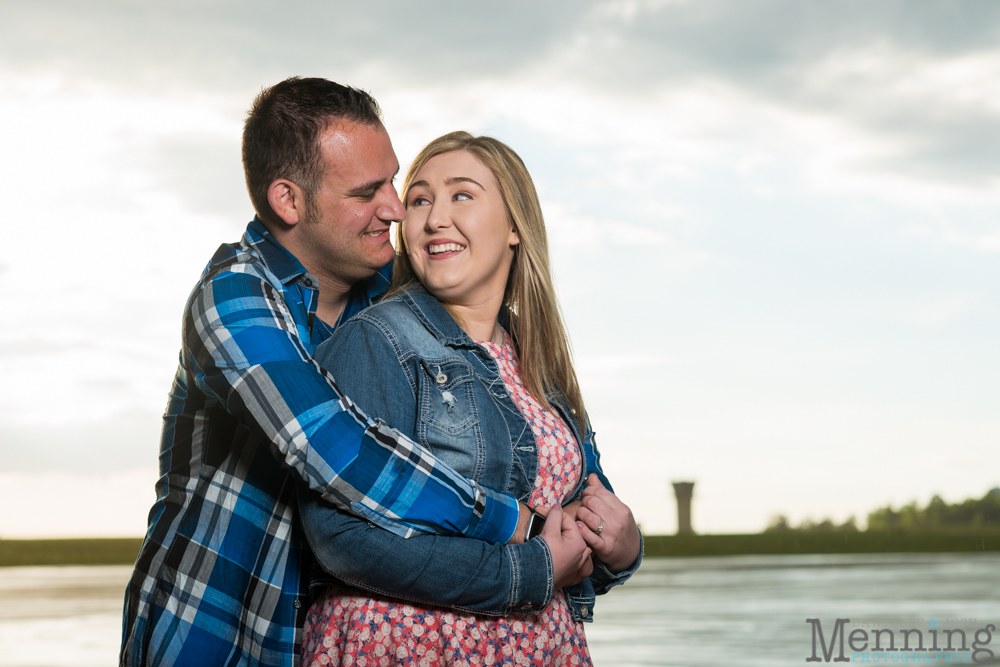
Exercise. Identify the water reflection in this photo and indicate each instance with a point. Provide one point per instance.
(751, 610)
(690, 612)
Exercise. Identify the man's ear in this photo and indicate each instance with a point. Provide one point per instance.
(287, 200)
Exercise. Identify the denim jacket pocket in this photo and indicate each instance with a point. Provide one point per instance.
(449, 418)
(446, 395)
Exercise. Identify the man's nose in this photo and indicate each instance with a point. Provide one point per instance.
(392, 209)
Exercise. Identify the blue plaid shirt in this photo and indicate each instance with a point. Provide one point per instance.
(221, 578)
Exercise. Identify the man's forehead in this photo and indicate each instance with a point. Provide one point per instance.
(358, 151)
(341, 133)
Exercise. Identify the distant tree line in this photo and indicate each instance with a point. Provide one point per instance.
(937, 514)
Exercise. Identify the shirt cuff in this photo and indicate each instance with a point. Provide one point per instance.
(498, 519)
(532, 576)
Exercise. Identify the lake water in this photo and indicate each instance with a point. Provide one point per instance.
(738, 610)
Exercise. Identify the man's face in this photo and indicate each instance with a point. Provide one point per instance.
(348, 240)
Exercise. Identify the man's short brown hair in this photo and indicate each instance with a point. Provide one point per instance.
(281, 134)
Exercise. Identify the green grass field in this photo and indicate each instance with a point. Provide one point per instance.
(122, 551)
(110, 551)
(817, 542)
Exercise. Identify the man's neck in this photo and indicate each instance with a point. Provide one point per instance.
(333, 291)
(332, 297)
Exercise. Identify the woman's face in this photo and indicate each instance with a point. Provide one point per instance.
(458, 236)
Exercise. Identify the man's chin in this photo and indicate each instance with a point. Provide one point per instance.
(377, 260)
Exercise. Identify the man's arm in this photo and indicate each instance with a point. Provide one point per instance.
(245, 349)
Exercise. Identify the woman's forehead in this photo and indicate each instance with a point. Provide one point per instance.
(453, 166)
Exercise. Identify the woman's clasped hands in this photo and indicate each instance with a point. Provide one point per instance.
(599, 524)
(607, 526)
(571, 562)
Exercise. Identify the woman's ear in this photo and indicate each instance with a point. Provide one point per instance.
(513, 238)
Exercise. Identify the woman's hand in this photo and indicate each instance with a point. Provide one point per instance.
(607, 526)
(570, 554)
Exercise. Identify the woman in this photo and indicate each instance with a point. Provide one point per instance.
(473, 355)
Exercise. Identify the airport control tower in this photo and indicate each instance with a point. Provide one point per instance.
(684, 491)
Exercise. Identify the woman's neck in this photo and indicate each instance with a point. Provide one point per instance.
(479, 321)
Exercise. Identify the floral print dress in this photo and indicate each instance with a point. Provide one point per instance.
(347, 628)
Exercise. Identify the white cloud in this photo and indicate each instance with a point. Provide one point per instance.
(938, 309)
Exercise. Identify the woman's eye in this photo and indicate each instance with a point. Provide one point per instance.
(419, 201)
(462, 196)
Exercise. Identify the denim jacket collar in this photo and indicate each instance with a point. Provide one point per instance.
(433, 315)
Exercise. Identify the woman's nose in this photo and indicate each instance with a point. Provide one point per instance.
(438, 217)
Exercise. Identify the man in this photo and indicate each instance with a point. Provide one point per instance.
(221, 576)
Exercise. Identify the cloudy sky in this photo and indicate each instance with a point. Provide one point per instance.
(775, 228)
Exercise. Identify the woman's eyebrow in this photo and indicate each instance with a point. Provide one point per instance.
(463, 179)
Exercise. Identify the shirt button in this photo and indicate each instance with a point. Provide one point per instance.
(584, 612)
(441, 378)
(297, 604)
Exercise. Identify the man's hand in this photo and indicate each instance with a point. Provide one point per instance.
(617, 543)
(570, 554)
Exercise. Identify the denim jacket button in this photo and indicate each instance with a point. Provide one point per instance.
(441, 378)
(584, 612)
(297, 604)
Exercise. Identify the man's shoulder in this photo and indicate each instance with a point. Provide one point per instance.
(236, 258)
(238, 267)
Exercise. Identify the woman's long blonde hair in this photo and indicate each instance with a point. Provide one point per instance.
(536, 324)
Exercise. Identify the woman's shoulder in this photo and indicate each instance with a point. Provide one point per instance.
(409, 321)
(393, 313)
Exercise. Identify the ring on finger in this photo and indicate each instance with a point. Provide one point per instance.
(600, 528)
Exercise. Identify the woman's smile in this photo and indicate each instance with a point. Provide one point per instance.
(444, 248)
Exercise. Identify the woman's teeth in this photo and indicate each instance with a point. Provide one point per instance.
(446, 247)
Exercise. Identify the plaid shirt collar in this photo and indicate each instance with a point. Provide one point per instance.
(286, 267)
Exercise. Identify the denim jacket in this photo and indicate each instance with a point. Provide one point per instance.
(442, 389)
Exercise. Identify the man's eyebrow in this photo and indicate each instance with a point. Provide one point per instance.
(371, 186)
(366, 189)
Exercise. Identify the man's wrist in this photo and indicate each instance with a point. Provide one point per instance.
(521, 532)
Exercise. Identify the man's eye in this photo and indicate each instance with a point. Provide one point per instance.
(367, 196)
